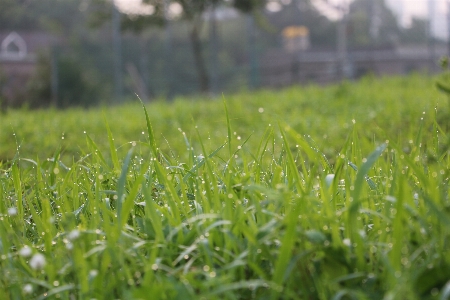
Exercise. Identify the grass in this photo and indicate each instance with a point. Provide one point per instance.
(314, 193)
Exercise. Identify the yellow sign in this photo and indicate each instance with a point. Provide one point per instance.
(291, 32)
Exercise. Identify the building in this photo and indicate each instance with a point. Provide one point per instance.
(18, 59)
(283, 67)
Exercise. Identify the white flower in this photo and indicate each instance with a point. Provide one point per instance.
(73, 235)
(25, 251)
(12, 211)
(27, 288)
(37, 262)
(347, 242)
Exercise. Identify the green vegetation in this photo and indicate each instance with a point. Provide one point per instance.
(337, 192)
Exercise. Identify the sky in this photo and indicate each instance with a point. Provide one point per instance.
(409, 7)
(437, 9)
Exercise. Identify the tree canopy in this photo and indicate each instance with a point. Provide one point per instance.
(159, 12)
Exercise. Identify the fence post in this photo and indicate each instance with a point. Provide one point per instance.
(253, 55)
(117, 46)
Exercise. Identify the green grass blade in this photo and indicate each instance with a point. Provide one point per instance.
(112, 148)
(228, 127)
(18, 189)
(95, 149)
(292, 165)
(150, 133)
(121, 183)
(128, 202)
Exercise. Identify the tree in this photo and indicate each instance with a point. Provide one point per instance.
(16, 15)
(160, 12)
(416, 33)
(302, 13)
(371, 23)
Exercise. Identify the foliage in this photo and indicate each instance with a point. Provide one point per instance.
(443, 79)
(77, 89)
(55, 16)
(325, 113)
(190, 11)
(3, 104)
(39, 92)
(417, 33)
(240, 202)
(372, 23)
(73, 85)
(14, 16)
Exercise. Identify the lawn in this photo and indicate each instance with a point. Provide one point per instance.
(338, 192)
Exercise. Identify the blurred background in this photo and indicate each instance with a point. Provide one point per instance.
(89, 52)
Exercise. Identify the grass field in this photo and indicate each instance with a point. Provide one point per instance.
(338, 192)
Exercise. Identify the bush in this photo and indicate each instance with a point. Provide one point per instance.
(72, 85)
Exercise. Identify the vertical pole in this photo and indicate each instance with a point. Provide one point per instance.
(253, 74)
(214, 52)
(448, 28)
(374, 11)
(144, 66)
(168, 49)
(54, 76)
(430, 39)
(117, 48)
(342, 43)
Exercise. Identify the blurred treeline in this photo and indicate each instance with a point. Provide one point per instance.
(157, 60)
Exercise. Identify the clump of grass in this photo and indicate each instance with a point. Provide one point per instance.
(267, 216)
(389, 107)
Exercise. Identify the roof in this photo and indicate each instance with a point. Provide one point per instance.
(22, 45)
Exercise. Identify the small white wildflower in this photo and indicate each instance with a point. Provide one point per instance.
(73, 235)
(25, 251)
(329, 179)
(27, 288)
(12, 211)
(37, 262)
(347, 242)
